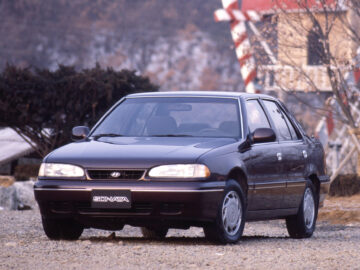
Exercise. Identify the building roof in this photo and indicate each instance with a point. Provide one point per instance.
(12, 146)
(267, 6)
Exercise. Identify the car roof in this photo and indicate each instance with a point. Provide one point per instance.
(221, 94)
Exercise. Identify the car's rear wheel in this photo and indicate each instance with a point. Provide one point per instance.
(66, 229)
(229, 224)
(303, 224)
(154, 233)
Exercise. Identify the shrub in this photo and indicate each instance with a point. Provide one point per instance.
(26, 171)
(43, 106)
(345, 185)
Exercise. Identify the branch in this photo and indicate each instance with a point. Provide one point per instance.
(26, 139)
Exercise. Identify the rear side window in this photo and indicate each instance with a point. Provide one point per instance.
(291, 128)
(279, 120)
(256, 115)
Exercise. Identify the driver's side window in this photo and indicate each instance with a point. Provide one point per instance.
(255, 115)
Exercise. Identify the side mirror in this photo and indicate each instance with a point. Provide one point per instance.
(80, 132)
(262, 135)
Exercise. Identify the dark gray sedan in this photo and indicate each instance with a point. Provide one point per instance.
(179, 159)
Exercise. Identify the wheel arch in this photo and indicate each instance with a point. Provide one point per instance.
(239, 176)
(316, 182)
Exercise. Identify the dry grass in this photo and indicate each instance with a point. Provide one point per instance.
(6, 180)
(341, 210)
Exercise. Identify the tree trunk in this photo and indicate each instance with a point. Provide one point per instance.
(358, 165)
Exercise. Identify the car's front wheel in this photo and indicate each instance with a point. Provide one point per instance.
(66, 229)
(303, 224)
(229, 224)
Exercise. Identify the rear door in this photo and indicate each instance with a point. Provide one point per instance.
(265, 170)
(293, 151)
(295, 185)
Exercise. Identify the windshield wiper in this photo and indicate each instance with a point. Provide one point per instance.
(172, 135)
(97, 136)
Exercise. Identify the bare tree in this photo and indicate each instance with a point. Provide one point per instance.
(317, 44)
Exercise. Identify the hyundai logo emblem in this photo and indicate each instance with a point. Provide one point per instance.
(115, 174)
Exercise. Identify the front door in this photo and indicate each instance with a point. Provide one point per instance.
(265, 165)
(266, 168)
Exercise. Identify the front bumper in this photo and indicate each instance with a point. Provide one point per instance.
(187, 203)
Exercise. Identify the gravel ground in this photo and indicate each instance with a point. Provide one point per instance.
(265, 245)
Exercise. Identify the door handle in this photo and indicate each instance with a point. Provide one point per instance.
(279, 156)
(305, 155)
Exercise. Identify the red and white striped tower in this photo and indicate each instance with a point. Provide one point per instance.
(237, 19)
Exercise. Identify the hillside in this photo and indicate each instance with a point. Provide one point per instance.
(176, 43)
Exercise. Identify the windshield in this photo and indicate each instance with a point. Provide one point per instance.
(172, 117)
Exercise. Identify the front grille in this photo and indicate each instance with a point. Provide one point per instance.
(115, 174)
(140, 208)
(136, 209)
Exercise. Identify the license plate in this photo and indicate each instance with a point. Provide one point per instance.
(111, 199)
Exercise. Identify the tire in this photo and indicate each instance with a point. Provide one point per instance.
(51, 228)
(151, 233)
(230, 221)
(67, 229)
(302, 225)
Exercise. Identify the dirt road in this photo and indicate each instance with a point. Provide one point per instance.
(265, 245)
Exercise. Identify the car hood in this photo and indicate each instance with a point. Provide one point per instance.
(135, 152)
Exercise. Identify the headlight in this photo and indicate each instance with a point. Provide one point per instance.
(180, 171)
(60, 170)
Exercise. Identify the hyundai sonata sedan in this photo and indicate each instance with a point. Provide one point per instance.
(179, 159)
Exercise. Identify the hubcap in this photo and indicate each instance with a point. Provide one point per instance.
(309, 208)
(231, 213)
